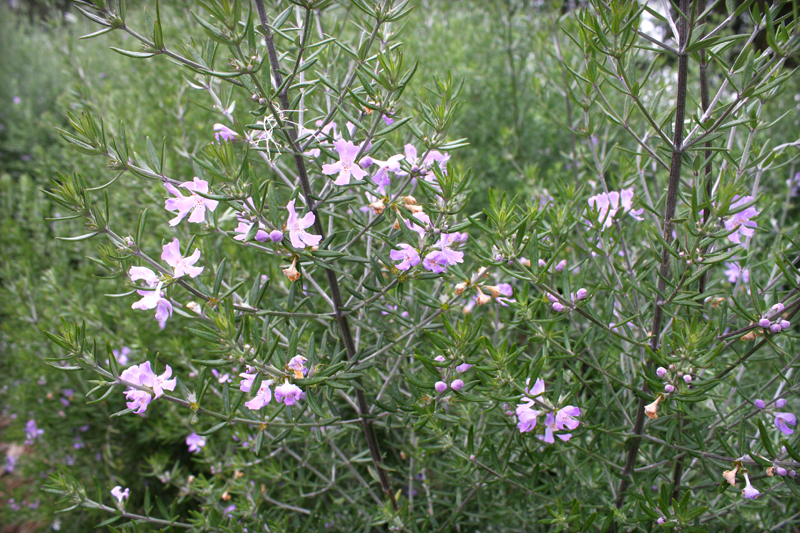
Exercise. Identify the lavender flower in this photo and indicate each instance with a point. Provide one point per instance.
(32, 432)
(749, 492)
(735, 271)
(120, 494)
(171, 253)
(193, 203)
(223, 131)
(346, 166)
(262, 397)
(407, 256)
(288, 393)
(435, 262)
(297, 228)
(195, 442)
(739, 223)
(783, 421)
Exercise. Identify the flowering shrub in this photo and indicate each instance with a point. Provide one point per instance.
(368, 348)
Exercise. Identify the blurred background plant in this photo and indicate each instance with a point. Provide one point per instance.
(538, 133)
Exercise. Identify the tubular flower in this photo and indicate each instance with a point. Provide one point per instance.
(292, 272)
(748, 491)
(297, 228)
(193, 203)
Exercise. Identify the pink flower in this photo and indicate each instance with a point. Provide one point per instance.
(346, 166)
(222, 378)
(195, 442)
(143, 273)
(419, 217)
(740, 223)
(288, 393)
(120, 494)
(122, 355)
(297, 228)
(247, 381)
(565, 417)
(298, 365)
(781, 421)
(32, 432)
(440, 386)
(194, 203)
(452, 256)
(381, 178)
(138, 400)
(606, 206)
(154, 300)
(182, 265)
(262, 397)
(435, 262)
(735, 271)
(463, 368)
(158, 383)
(526, 415)
(407, 256)
(626, 198)
(227, 134)
(244, 228)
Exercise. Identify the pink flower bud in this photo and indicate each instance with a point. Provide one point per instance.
(781, 471)
(661, 371)
(777, 308)
(557, 307)
(581, 294)
(764, 323)
(463, 368)
(457, 384)
(775, 328)
(687, 378)
(780, 402)
(759, 404)
(276, 235)
(439, 358)
(440, 386)
(542, 263)
(785, 324)
(561, 264)
(669, 388)
(660, 520)
(365, 162)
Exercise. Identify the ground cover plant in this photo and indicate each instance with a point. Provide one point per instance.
(292, 303)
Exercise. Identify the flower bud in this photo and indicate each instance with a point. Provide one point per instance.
(581, 295)
(463, 368)
(780, 402)
(759, 404)
(781, 471)
(460, 288)
(777, 308)
(276, 235)
(669, 388)
(561, 264)
(775, 328)
(365, 162)
(661, 371)
(557, 307)
(687, 378)
(785, 324)
(764, 323)
(524, 261)
(660, 520)
(542, 263)
(193, 306)
(457, 384)
(440, 386)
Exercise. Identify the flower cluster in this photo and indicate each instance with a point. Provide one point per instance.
(772, 320)
(673, 378)
(555, 420)
(782, 420)
(607, 205)
(140, 376)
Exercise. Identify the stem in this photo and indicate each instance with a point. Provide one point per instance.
(341, 318)
(669, 214)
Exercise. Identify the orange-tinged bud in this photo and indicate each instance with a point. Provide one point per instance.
(651, 410)
(292, 272)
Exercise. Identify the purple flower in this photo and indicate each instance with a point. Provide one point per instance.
(661, 371)
(195, 442)
(158, 383)
(739, 223)
(463, 368)
(32, 432)
(346, 166)
(440, 386)
(457, 384)
(227, 134)
(764, 323)
(171, 253)
(297, 228)
(735, 271)
(120, 494)
(138, 400)
(122, 355)
(453, 257)
(16, 100)
(288, 393)
(626, 198)
(194, 202)
(669, 389)
(749, 492)
(262, 397)
(247, 381)
(407, 256)
(606, 206)
(526, 415)
(783, 421)
(381, 178)
(276, 235)
(780, 402)
(298, 365)
(222, 378)
(581, 294)
(565, 417)
(561, 265)
(435, 262)
(154, 300)
(759, 404)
